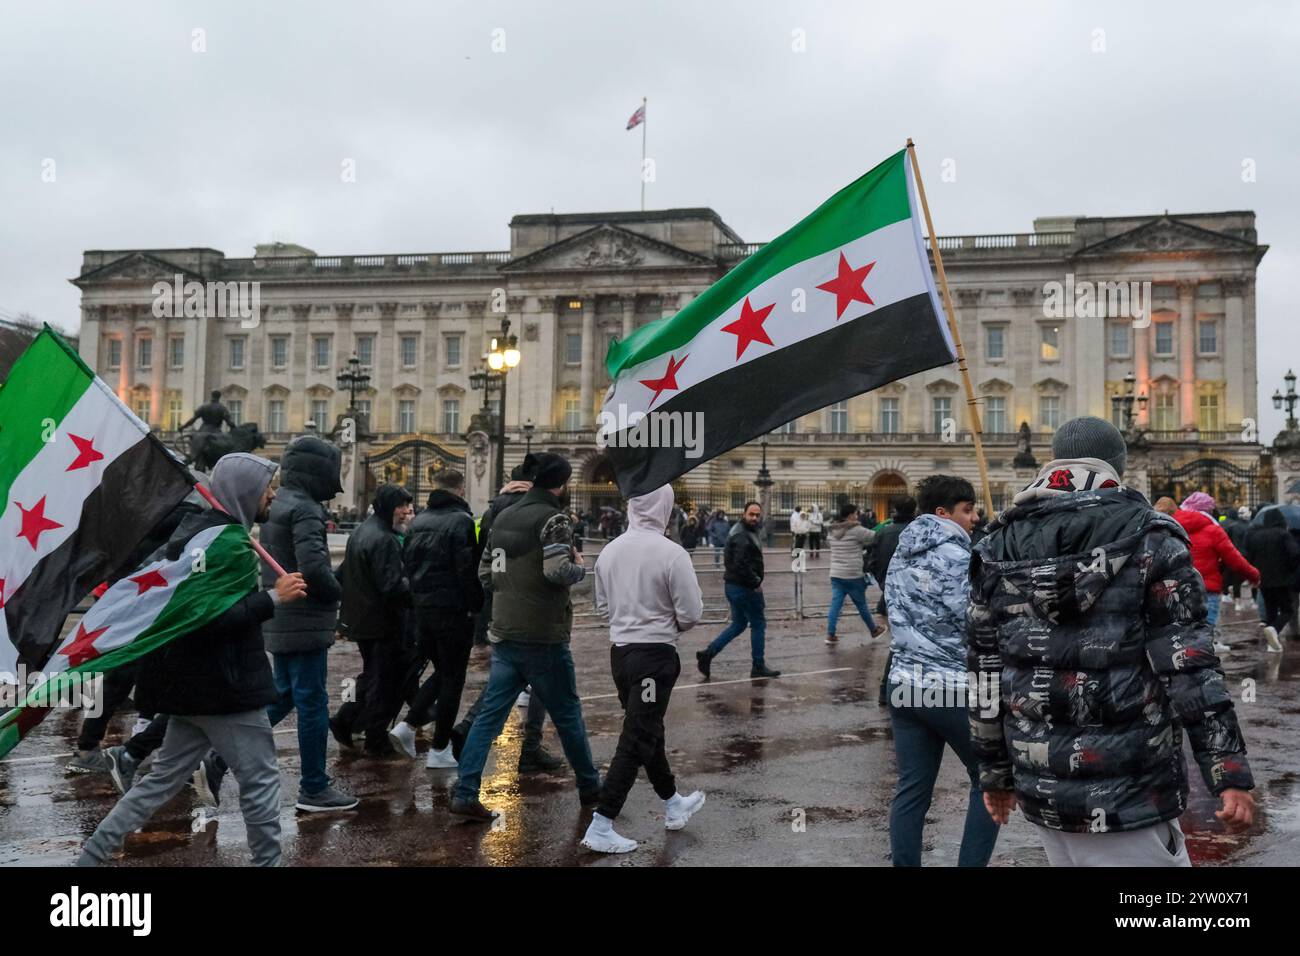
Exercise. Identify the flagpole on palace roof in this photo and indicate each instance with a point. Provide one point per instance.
(971, 401)
(644, 122)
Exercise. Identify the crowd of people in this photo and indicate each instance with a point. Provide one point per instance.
(1061, 650)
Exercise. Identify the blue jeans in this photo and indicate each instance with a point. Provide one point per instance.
(548, 668)
(856, 590)
(747, 610)
(1212, 609)
(300, 683)
(920, 734)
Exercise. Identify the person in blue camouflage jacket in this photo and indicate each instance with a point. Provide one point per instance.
(1089, 640)
(926, 594)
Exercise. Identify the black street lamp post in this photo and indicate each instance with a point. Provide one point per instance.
(502, 356)
(1290, 399)
(1126, 401)
(764, 484)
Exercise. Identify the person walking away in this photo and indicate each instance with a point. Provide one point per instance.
(691, 533)
(533, 757)
(646, 587)
(299, 636)
(815, 524)
(743, 585)
(928, 590)
(376, 595)
(718, 529)
(215, 683)
(798, 529)
(532, 619)
(440, 560)
(1272, 549)
(1212, 550)
(1093, 657)
(1237, 526)
(849, 542)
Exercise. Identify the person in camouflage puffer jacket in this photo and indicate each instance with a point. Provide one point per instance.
(1089, 642)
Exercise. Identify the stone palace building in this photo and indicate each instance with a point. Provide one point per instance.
(1054, 322)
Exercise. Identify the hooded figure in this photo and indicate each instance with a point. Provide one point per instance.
(376, 591)
(644, 581)
(239, 481)
(295, 535)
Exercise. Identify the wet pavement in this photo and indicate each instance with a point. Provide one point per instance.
(798, 770)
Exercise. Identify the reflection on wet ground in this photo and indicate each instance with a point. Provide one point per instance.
(798, 770)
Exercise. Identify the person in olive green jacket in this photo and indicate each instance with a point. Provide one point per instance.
(532, 564)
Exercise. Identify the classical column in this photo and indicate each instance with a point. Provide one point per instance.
(385, 374)
(1142, 370)
(126, 380)
(1187, 351)
(158, 381)
(588, 360)
(629, 313)
(1236, 358)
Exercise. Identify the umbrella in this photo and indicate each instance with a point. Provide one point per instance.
(1290, 512)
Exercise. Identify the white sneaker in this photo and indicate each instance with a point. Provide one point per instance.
(403, 738)
(679, 809)
(1270, 638)
(602, 838)
(523, 699)
(1221, 648)
(140, 726)
(441, 759)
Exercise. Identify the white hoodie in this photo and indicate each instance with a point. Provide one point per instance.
(645, 584)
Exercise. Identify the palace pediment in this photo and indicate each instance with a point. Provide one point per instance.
(1166, 234)
(138, 266)
(606, 248)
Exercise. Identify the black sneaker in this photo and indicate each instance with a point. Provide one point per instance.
(342, 735)
(762, 670)
(381, 750)
(472, 810)
(704, 660)
(457, 741)
(331, 798)
(539, 760)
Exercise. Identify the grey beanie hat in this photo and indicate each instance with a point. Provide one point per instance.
(1090, 437)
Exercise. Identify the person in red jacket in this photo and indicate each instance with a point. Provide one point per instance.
(1211, 550)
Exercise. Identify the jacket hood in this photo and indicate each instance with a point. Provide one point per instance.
(238, 482)
(312, 465)
(1193, 520)
(650, 512)
(388, 499)
(1059, 554)
(442, 500)
(928, 531)
(838, 528)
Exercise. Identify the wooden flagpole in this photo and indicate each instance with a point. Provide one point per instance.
(971, 401)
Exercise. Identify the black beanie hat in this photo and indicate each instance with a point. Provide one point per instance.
(526, 470)
(551, 471)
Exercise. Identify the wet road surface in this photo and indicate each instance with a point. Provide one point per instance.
(798, 770)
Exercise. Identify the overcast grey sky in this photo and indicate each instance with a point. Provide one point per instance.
(156, 145)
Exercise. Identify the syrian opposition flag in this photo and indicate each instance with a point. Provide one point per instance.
(82, 481)
(637, 118)
(842, 303)
(138, 614)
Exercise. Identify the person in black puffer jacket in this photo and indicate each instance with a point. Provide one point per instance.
(440, 557)
(375, 598)
(214, 683)
(1271, 548)
(1091, 655)
(300, 635)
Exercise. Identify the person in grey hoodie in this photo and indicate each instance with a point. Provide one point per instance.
(927, 592)
(849, 541)
(646, 587)
(300, 635)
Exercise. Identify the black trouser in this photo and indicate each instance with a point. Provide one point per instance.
(482, 619)
(1277, 606)
(446, 640)
(814, 542)
(644, 675)
(384, 665)
(115, 688)
(148, 740)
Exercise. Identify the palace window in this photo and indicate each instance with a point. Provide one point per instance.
(144, 353)
(320, 350)
(452, 351)
(1049, 412)
(839, 413)
(177, 357)
(1164, 417)
(789, 428)
(366, 349)
(888, 416)
(1121, 340)
(407, 344)
(451, 416)
(275, 415)
(1049, 347)
(1207, 338)
(406, 415)
(940, 412)
(1208, 419)
(175, 413)
(573, 348)
(279, 351)
(995, 414)
(995, 345)
(237, 352)
(572, 414)
(236, 408)
(1164, 338)
(114, 353)
(320, 414)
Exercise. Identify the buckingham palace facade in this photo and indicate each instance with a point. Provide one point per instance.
(1175, 366)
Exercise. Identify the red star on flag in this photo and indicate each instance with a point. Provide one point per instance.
(86, 452)
(2, 592)
(669, 380)
(150, 579)
(34, 522)
(82, 648)
(749, 327)
(848, 286)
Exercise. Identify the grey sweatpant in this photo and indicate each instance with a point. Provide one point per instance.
(244, 741)
(1146, 847)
